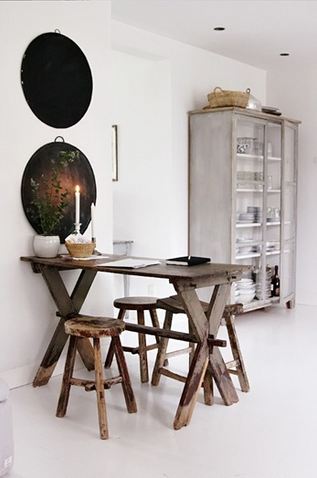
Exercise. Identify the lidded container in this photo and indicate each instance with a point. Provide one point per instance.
(253, 102)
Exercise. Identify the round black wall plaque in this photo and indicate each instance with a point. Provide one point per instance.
(56, 80)
(63, 164)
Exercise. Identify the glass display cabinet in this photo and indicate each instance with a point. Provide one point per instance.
(242, 199)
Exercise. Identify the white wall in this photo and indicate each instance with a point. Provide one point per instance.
(294, 91)
(141, 95)
(27, 310)
(155, 82)
(141, 98)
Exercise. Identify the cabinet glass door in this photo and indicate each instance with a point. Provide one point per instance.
(273, 205)
(249, 206)
(289, 211)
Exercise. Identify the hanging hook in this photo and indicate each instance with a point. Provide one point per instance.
(59, 137)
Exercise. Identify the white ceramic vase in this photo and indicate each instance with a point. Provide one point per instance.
(46, 246)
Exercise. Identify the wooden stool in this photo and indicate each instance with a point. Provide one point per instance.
(95, 327)
(140, 304)
(172, 305)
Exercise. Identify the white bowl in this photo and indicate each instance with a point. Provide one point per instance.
(246, 298)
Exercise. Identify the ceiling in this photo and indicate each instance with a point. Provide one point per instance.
(256, 31)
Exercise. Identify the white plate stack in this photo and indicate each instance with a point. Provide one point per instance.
(236, 293)
(245, 246)
(246, 217)
(257, 211)
(244, 291)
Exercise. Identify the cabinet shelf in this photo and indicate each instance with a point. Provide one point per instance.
(249, 156)
(250, 190)
(256, 304)
(248, 224)
(248, 256)
(256, 224)
(260, 304)
(257, 156)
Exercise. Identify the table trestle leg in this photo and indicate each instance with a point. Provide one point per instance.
(66, 306)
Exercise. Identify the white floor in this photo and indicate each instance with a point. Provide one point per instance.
(270, 433)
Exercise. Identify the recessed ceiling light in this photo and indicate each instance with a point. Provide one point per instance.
(219, 29)
(284, 54)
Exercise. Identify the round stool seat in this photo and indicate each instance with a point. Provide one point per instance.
(95, 327)
(136, 303)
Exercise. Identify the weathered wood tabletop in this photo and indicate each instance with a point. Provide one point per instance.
(185, 281)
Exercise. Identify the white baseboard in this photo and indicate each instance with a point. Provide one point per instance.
(20, 376)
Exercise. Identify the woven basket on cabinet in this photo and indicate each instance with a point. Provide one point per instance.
(220, 97)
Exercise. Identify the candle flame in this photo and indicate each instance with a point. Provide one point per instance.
(77, 189)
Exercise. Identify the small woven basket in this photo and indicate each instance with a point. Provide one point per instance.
(80, 250)
(220, 97)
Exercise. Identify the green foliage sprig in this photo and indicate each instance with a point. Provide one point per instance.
(49, 198)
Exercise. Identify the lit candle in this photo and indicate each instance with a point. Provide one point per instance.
(92, 213)
(77, 204)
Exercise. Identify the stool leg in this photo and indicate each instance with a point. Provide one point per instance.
(68, 373)
(144, 371)
(208, 387)
(110, 354)
(237, 355)
(155, 322)
(100, 391)
(123, 371)
(159, 362)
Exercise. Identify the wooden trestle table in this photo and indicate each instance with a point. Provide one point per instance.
(186, 280)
